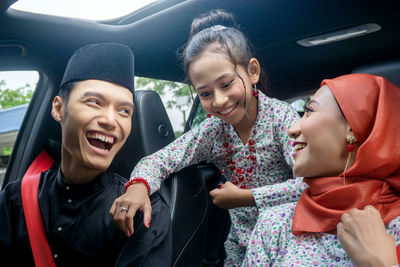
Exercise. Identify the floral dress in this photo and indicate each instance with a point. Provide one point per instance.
(263, 164)
(273, 243)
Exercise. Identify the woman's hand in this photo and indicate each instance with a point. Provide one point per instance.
(124, 208)
(229, 196)
(364, 238)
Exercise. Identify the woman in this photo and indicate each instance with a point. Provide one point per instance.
(346, 147)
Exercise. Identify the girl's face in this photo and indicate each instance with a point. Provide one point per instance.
(320, 138)
(222, 93)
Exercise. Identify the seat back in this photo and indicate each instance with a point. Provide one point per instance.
(184, 191)
(387, 69)
(151, 131)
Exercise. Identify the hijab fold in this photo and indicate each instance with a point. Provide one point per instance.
(371, 106)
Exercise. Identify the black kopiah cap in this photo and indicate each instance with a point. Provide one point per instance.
(109, 62)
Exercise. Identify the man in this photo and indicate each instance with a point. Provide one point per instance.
(94, 108)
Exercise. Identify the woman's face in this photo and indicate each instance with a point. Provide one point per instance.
(222, 93)
(320, 137)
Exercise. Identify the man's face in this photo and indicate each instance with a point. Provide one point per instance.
(95, 122)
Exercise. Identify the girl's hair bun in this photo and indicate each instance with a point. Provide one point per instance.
(212, 18)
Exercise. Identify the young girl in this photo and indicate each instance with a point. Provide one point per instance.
(245, 135)
(347, 148)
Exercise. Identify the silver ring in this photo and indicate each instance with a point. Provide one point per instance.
(123, 209)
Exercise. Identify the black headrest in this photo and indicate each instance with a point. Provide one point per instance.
(387, 69)
(151, 131)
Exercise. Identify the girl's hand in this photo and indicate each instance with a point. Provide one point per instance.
(124, 208)
(364, 238)
(230, 196)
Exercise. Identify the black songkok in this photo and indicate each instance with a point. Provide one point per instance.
(109, 62)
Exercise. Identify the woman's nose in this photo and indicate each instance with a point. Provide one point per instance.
(294, 130)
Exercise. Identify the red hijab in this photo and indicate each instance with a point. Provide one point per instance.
(371, 106)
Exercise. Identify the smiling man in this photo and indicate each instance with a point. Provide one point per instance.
(94, 108)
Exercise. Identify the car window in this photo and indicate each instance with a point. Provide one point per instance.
(16, 89)
(199, 116)
(299, 103)
(175, 96)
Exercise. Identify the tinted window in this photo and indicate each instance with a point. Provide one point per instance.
(16, 89)
(175, 97)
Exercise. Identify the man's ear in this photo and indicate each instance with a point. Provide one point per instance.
(57, 110)
(254, 70)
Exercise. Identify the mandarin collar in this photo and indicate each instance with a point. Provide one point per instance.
(96, 185)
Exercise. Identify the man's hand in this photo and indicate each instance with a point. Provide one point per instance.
(230, 196)
(364, 238)
(124, 208)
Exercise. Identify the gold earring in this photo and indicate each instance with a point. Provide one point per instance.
(351, 139)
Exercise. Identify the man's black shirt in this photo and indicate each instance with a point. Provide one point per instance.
(78, 226)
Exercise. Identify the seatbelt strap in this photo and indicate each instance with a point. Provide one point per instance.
(34, 223)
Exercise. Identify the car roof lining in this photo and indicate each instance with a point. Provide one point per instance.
(155, 39)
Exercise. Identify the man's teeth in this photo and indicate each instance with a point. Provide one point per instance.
(101, 137)
(298, 147)
(228, 110)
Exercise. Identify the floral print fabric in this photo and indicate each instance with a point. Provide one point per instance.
(273, 243)
(263, 164)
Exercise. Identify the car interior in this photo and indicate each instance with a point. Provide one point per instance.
(298, 43)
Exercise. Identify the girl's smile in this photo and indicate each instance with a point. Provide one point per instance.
(228, 111)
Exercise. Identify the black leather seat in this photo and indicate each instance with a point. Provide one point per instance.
(184, 191)
(151, 131)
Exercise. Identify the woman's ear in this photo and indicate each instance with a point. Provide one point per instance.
(57, 110)
(254, 70)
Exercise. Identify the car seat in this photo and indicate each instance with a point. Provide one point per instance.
(184, 191)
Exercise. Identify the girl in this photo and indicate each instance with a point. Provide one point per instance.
(338, 130)
(245, 135)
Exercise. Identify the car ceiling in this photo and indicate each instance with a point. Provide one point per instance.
(156, 33)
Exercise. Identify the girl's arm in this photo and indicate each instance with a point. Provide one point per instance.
(190, 148)
(230, 196)
(280, 193)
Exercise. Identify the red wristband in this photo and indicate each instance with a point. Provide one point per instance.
(137, 181)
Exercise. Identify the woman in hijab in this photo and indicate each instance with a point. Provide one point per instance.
(347, 148)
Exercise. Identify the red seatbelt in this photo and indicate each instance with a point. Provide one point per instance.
(34, 223)
(398, 253)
